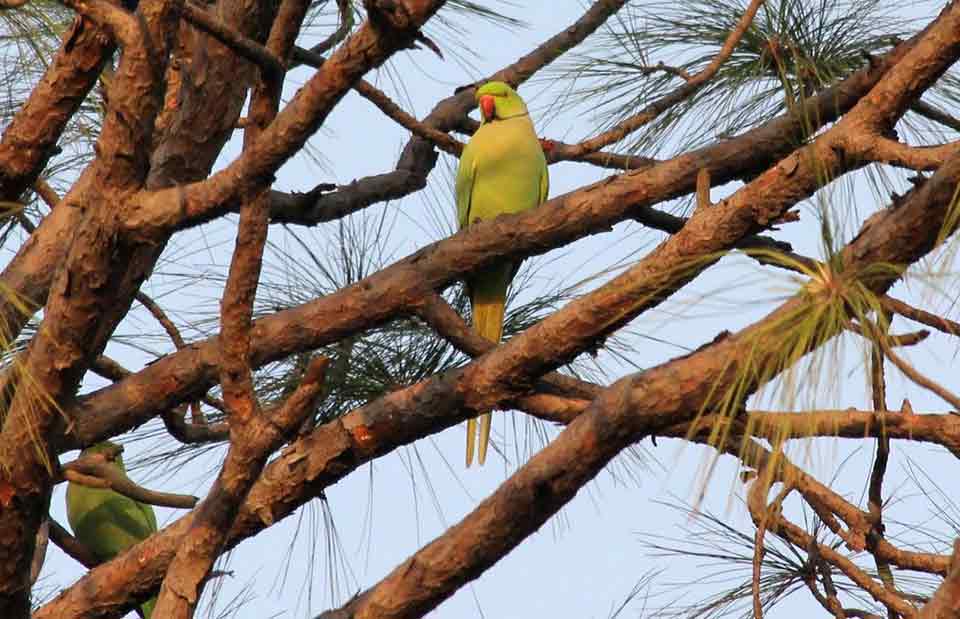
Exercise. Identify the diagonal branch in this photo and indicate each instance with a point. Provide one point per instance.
(380, 99)
(154, 214)
(418, 157)
(269, 64)
(637, 405)
(652, 111)
(596, 207)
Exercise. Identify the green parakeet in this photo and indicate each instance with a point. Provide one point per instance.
(106, 522)
(502, 170)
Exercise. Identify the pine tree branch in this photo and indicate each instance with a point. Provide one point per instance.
(419, 157)
(63, 349)
(652, 111)
(271, 66)
(401, 285)
(374, 95)
(149, 214)
(634, 407)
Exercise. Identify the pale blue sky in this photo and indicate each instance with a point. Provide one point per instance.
(585, 562)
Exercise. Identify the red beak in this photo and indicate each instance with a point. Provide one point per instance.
(487, 107)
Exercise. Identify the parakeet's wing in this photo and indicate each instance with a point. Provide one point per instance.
(106, 522)
(466, 177)
(149, 517)
(544, 184)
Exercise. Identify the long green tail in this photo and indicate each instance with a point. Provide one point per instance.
(488, 294)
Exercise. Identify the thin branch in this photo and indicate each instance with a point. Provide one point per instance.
(345, 13)
(918, 315)
(830, 600)
(932, 113)
(249, 49)
(917, 377)
(757, 501)
(71, 545)
(903, 339)
(97, 467)
(652, 111)
(162, 318)
(374, 95)
(878, 388)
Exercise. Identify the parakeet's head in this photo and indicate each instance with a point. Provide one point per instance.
(106, 446)
(498, 101)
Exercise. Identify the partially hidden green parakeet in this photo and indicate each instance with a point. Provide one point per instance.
(107, 522)
(502, 170)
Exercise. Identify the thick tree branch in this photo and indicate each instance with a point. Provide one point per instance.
(389, 292)
(63, 348)
(946, 601)
(155, 214)
(640, 404)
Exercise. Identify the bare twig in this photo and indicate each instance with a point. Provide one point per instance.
(345, 12)
(757, 500)
(162, 318)
(878, 388)
(904, 339)
(104, 474)
(932, 113)
(652, 111)
(830, 600)
(374, 95)
(71, 545)
(911, 372)
(270, 64)
(918, 315)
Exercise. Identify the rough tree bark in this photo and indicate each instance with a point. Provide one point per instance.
(184, 75)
